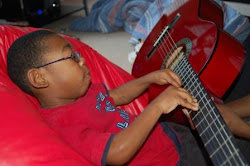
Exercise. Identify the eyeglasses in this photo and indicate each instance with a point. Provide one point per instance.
(74, 56)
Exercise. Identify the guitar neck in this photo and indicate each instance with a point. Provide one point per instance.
(212, 129)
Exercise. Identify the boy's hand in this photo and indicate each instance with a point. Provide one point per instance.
(236, 125)
(170, 98)
(185, 111)
(229, 116)
(166, 76)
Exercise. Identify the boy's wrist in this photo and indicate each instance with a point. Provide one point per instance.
(147, 80)
(156, 108)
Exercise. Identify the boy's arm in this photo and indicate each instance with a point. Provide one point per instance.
(127, 92)
(236, 125)
(233, 112)
(241, 106)
(126, 143)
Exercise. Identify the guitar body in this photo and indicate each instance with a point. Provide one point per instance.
(216, 57)
(208, 61)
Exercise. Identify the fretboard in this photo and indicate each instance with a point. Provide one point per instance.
(211, 127)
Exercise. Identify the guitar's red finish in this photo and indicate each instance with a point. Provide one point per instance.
(215, 56)
(211, 11)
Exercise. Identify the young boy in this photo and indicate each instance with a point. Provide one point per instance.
(44, 64)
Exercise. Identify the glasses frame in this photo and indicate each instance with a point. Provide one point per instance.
(75, 56)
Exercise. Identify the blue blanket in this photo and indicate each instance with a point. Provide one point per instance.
(234, 23)
(138, 17)
(112, 15)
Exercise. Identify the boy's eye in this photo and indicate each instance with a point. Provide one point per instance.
(75, 56)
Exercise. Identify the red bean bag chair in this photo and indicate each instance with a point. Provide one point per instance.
(25, 139)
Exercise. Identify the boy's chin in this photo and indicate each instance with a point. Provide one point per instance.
(85, 90)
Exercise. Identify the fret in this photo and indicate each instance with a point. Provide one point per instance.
(202, 122)
(186, 77)
(190, 82)
(201, 112)
(180, 64)
(220, 147)
(224, 149)
(228, 145)
(194, 91)
(204, 104)
(229, 162)
(200, 97)
(214, 135)
(201, 90)
(201, 104)
(191, 85)
(207, 134)
(195, 88)
(215, 147)
(238, 160)
(205, 110)
(222, 141)
(188, 73)
(234, 152)
(213, 125)
(207, 127)
(210, 117)
(218, 158)
(178, 69)
(232, 160)
(195, 117)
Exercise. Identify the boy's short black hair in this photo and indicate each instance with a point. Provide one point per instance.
(26, 53)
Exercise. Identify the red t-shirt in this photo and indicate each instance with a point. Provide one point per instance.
(88, 125)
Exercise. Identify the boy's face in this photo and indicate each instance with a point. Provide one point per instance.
(68, 79)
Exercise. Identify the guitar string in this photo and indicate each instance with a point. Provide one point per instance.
(199, 94)
(187, 82)
(163, 50)
(202, 117)
(162, 46)
(215, 123)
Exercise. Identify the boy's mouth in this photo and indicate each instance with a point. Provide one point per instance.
(87, 75)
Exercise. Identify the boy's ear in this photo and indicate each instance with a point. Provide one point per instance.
(37, 78)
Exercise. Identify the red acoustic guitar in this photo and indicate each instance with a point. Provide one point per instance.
(191, 42)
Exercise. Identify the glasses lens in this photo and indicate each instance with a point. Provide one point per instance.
(76, 56)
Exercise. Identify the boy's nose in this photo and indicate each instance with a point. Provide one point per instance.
(82, 61)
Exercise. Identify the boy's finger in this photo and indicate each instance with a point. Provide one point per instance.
(174, 82)
(187, 102)
(175, 77)
(186, 95)
(185, 111)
